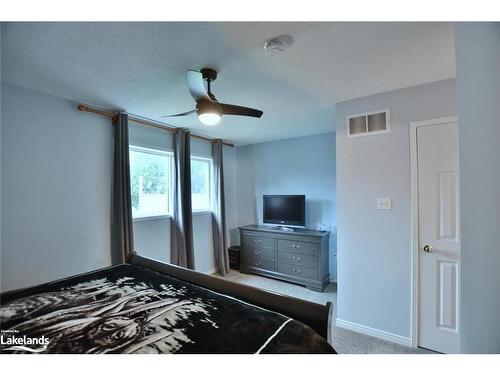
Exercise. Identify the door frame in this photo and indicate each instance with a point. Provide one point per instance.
(414, 125)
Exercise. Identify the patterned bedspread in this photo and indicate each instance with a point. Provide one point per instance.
(130, 309)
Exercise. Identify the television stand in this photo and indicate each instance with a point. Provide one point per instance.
(299, 256)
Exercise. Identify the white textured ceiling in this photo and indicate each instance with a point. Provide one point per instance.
(140, 67)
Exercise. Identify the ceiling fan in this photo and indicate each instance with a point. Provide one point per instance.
(209, 110)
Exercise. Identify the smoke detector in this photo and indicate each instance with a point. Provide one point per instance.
(278, 45)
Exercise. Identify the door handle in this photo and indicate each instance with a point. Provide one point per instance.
(428, 249)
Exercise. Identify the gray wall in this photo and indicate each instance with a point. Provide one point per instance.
(304, 165)
(152, 240)
(478, 96)
(56, 188)
(1, 120)
(231, 193)
(374, 272)
(56, 174)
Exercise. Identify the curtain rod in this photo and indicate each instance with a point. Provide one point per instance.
(155, 124)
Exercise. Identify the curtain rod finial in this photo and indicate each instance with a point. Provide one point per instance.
(82, 108)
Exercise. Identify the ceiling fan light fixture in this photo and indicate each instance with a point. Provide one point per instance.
(209, 113)
(209, 118)
(208, 109)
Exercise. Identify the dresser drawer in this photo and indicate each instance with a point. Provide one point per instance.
(297, 259)
(260, 252)
(298, 271)
(252, 242)
(261, 263)
(298, 247)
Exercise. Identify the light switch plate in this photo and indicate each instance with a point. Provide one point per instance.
(384, 203)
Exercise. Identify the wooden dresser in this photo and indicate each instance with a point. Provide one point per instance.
(300, 256)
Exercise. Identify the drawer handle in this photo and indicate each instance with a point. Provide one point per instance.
(257, 252)
(296, 270)
(257, 241)
(298, 259)
(257, 263)
(296, 246)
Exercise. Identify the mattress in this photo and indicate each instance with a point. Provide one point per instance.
(131, 309)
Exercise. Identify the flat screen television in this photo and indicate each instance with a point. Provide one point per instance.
(285, 210)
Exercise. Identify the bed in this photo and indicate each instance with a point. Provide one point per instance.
(146, 306)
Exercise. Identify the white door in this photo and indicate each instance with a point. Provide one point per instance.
(438, 237)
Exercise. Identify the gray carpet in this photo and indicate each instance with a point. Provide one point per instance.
(343, 340)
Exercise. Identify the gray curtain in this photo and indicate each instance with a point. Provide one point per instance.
(219, 211)
(123, 233)
(181, 249)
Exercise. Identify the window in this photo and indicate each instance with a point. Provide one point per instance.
(151, 179)
(151, 182)
(201, 182)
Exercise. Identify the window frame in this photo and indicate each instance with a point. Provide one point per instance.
(170, 156)
(210, 161)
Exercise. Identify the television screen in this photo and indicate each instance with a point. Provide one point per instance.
(284, 209)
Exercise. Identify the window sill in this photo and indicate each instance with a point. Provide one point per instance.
(150, 218)
(202, 212)
(161, 217)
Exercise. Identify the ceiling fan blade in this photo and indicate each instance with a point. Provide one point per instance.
(181, 114)
(196, 86)
(229, 109)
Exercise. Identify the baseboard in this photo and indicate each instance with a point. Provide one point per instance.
(401, 340)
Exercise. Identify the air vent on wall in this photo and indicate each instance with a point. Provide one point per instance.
(368, 123)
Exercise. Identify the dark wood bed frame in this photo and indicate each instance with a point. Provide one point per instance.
(316, 316)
